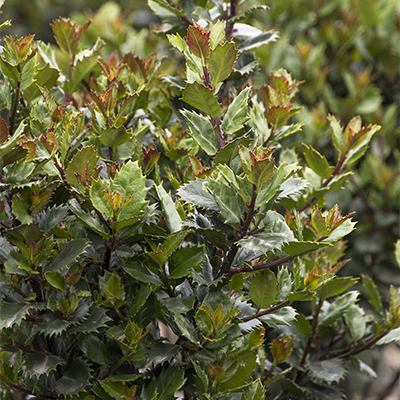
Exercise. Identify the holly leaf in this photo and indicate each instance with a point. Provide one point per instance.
(263, 289)
(334, 287)
(373, 293)
(13, 313)
(198, 41)
(37, 364)
(227, 200)
(185, 258)
(299, 248)
(90, 221)
(327, 371)
(82, 70)
(236, 116)
(74, 378)
(257, 41)
(68, 254)
(336, 309)
(221, 62)
(172, 218)
(193, 193)
(317, 162)
(202, 98)
(97, 318)
(202, 131)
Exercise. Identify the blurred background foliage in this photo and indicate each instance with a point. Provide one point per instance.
(347, 52)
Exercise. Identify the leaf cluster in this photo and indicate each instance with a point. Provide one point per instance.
(156, 237)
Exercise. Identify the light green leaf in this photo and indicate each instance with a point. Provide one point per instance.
(68, 254)
(334, 287)
(373, 293)
(82, 70)
(202, 131)
(217, 34)
(263, 289)
(37, 364)
(226, 199)
(301, 248)
(202, 98)
(342, 230)
(397, 252)
(172, 218)
(236, 116)
(257, 41)
(283, 316)
(275, 235)
(356, 321)
(86, 155)
(392, 336)
(360, 147)
(255, 391)
(185, 258)
(221, 62)
(98, 198)
(293, 188)
(284, 280)
(338, 308)
(55, 279)
(317, 162)
(193, 193)
(129, 181)
(328, 371)
(337, 134)
(112, 136)
(28, 74)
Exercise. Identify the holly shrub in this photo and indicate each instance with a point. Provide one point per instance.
(159, 237)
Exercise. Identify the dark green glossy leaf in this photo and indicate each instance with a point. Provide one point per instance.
(140, 272)
(90, 221)
(68, 254)
(186, 328)
(94, 349)
(74, 379)
(184, 259)
(37, 364)
(163, 352)
(14, 313)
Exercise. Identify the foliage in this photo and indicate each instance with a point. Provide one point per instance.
(158, 235)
